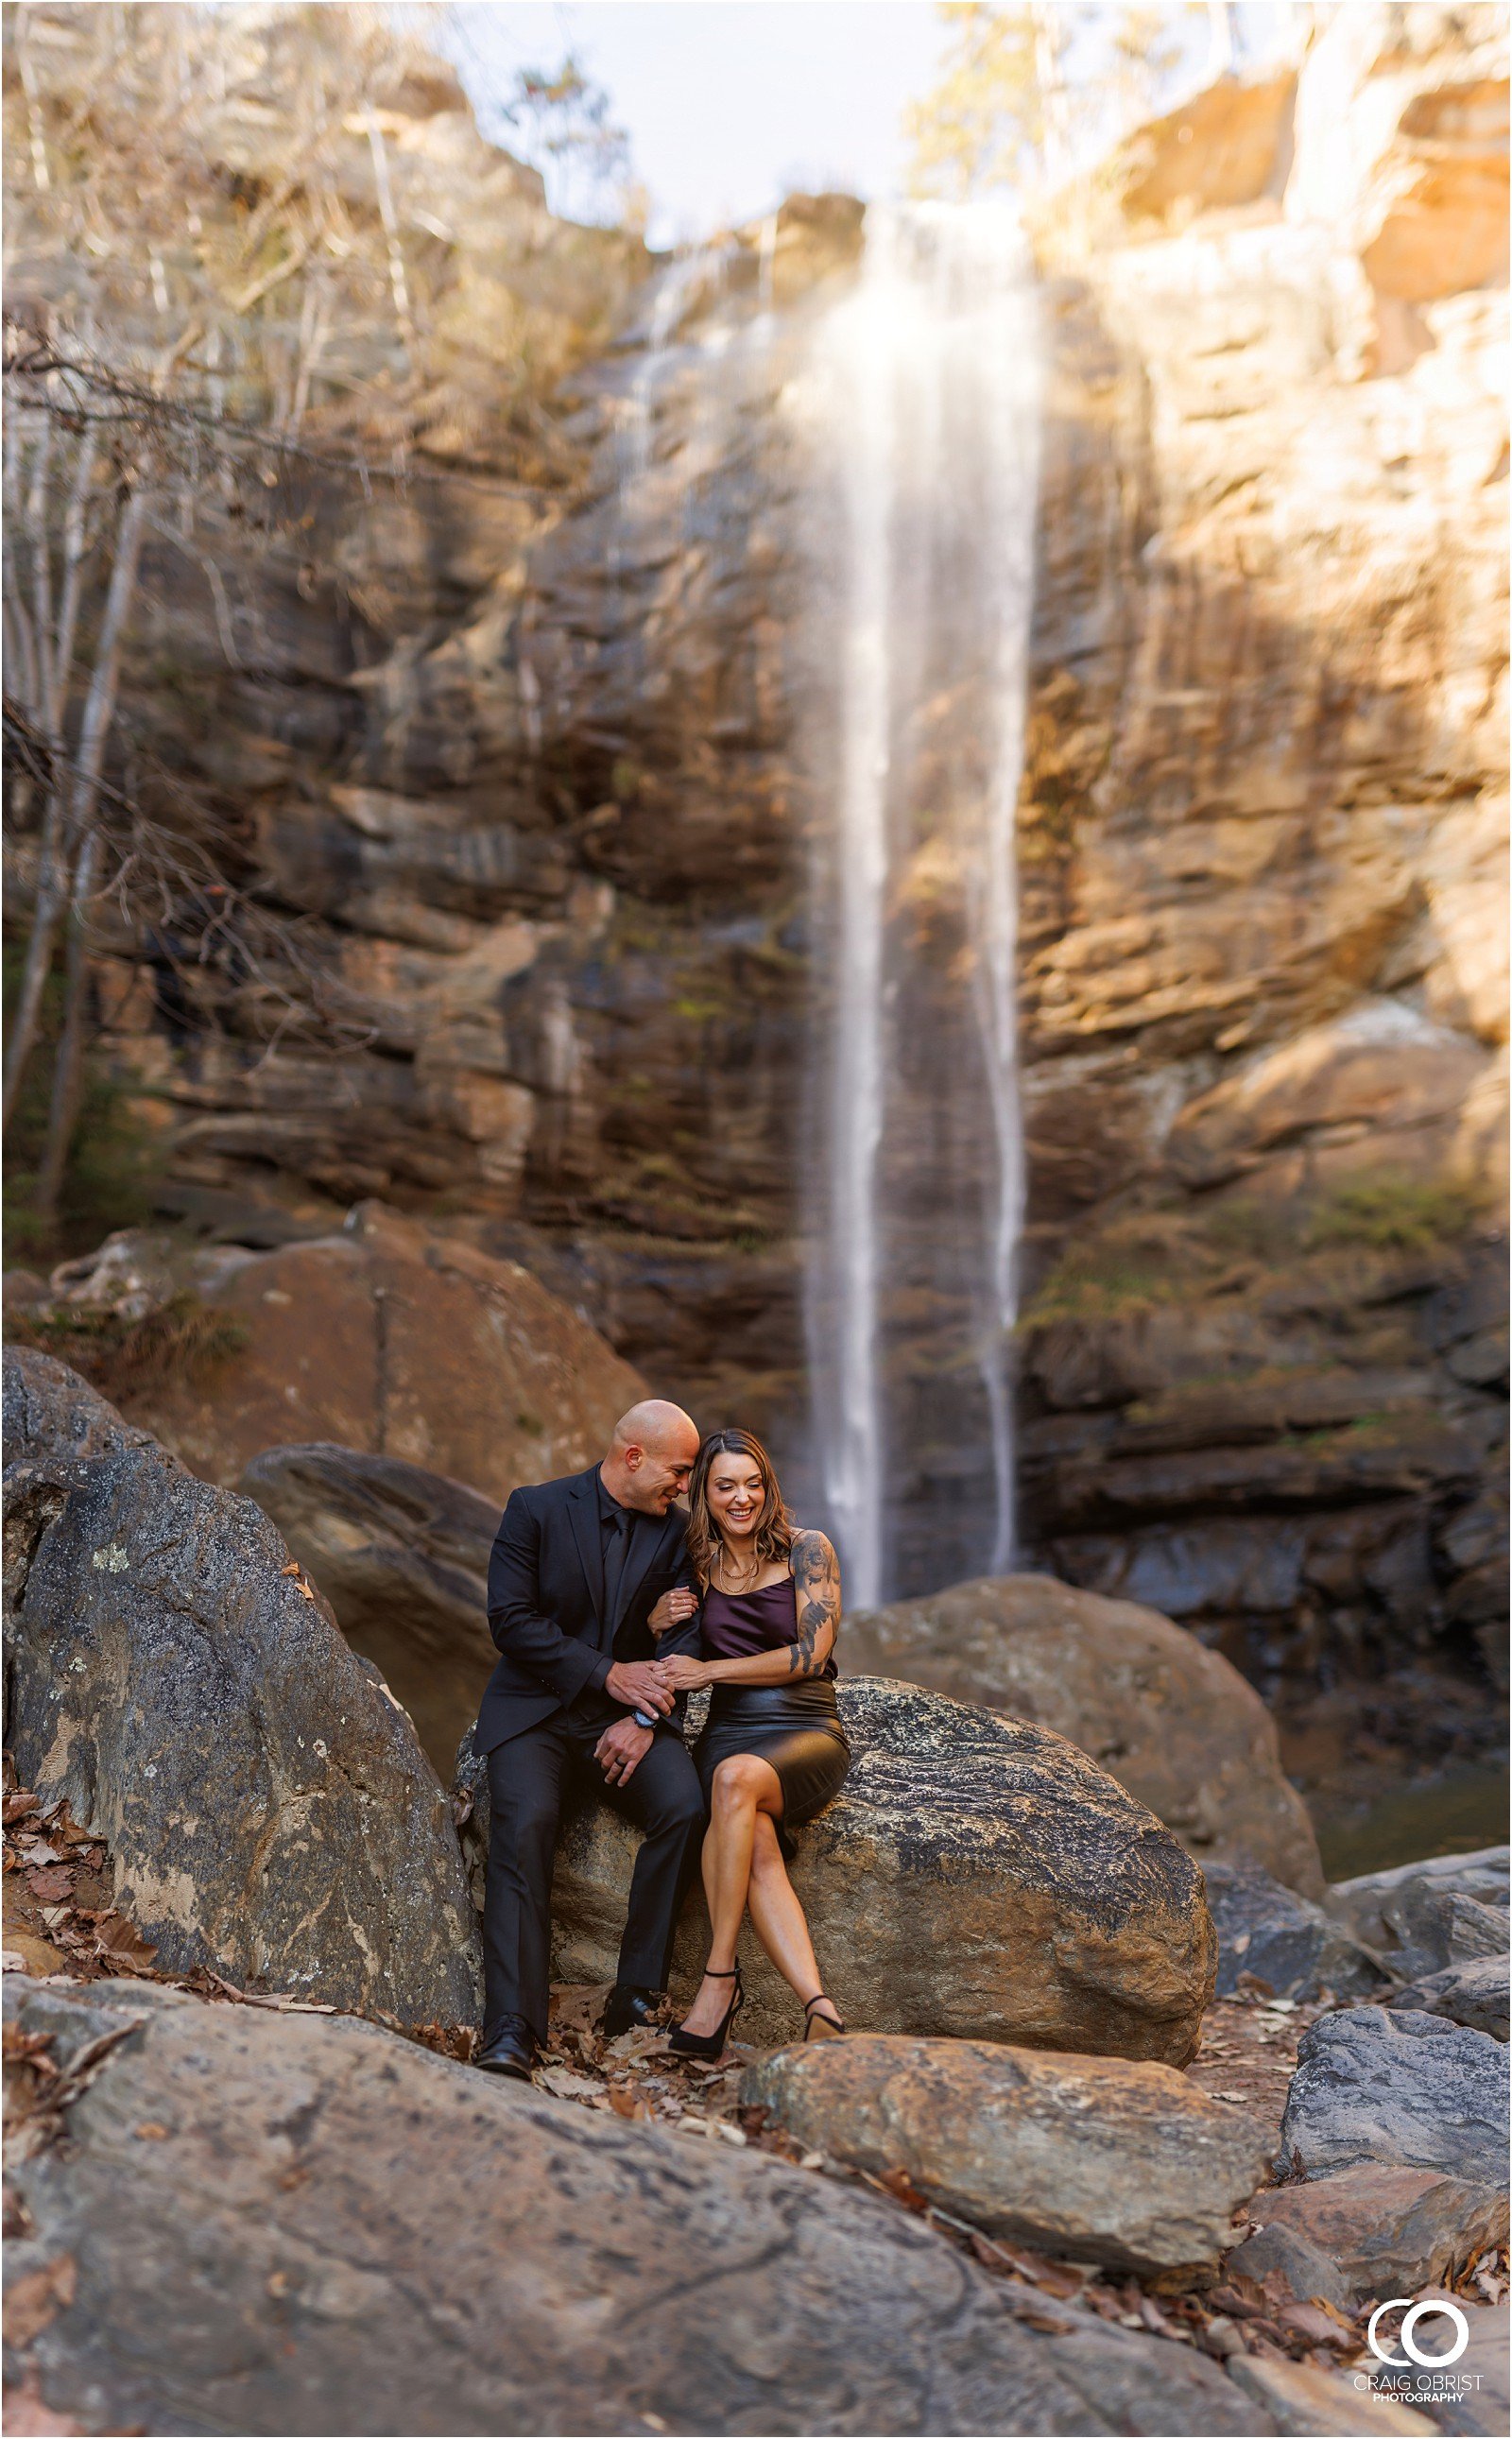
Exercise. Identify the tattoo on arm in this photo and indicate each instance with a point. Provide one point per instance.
(816, 1584)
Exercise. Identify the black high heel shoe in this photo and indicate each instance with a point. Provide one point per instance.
(823, 2028)
(711, 2045)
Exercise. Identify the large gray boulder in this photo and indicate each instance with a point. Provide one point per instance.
(268, 2223)
(976, 1876)
(1433, 1929)
(1172, 1721)
(402, 1557)
(268, 1808)
(1282, 1939)
(1468, 1994)
(1363, 1904)
(1099, 2158)
(48, 1411)
(1397, 2088)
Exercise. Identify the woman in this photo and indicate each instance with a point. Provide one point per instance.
(773, 1750)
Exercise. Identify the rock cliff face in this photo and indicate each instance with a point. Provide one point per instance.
(548, 817)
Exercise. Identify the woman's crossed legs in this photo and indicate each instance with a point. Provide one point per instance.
(744, 1868)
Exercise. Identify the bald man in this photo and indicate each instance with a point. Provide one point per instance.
(577, 1566)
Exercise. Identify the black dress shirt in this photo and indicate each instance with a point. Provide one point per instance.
(616, 1525)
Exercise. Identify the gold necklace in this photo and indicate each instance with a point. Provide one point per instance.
(724, 1571)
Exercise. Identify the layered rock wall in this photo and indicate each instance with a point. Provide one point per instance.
(548, 817)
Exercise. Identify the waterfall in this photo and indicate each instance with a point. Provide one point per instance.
(923, 398)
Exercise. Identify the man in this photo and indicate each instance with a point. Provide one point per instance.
(577, 1568)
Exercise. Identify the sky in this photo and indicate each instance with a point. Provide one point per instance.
(729, 104)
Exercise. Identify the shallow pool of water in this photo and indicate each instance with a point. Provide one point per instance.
(1450, 1814)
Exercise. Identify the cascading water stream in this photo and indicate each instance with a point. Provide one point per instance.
(926, 394)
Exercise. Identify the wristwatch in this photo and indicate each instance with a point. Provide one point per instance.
(644, 1718)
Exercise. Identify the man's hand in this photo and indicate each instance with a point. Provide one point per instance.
(674, 1609)
(621, 1748)
(640, 1685)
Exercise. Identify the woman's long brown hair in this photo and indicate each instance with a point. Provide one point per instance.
(774, 1527)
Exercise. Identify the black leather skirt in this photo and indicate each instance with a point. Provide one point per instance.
(795, 1728)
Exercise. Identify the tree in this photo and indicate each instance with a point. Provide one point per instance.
(561, 118)
(205, 316)
(95, 464)
(1028, 93)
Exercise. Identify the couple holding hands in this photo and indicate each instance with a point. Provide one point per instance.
(609, 1604)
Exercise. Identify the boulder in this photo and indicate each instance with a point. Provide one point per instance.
(1282, 1939)
(1468, 1994)
(976, 1876)
(1359, 1904)
(1385, 2231)
(48, 1411)
(1432, 1928)
(1483, 2406)
(1172, 1721)
(1099, 2158)
(1286, 2263)
(1307, 2402)
(385, 1338)
(268, 2223)
(1398, 2089)
(402, 1557)
(267, 1806)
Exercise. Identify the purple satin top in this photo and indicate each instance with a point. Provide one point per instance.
(735, 1625)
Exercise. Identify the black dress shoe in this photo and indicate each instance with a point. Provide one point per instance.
(631, 2010)
(512, 2050)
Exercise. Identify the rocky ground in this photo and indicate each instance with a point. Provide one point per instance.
(1247, 2310)
(1050, 2182)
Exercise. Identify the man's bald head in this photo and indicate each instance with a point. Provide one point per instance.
(650, 1456)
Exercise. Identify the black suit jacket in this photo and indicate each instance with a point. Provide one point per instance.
(546, 1603)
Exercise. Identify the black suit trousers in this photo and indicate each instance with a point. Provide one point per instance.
(527, 1779)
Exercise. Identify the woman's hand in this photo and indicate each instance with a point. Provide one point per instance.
(682, 1674)
(674, 1609)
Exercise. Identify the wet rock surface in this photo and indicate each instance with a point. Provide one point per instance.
(976, 1876)
(402, 1557)
(268, 1807)
(278, 2199)
(1290, 1944)
(1169, 1720)
(1398, 2089)
(1095, 2158)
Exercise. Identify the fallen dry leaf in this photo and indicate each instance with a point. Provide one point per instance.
(565, 2084)
(122, 1941)
(626, 2103)
(51, 1883)
(898, 2183)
